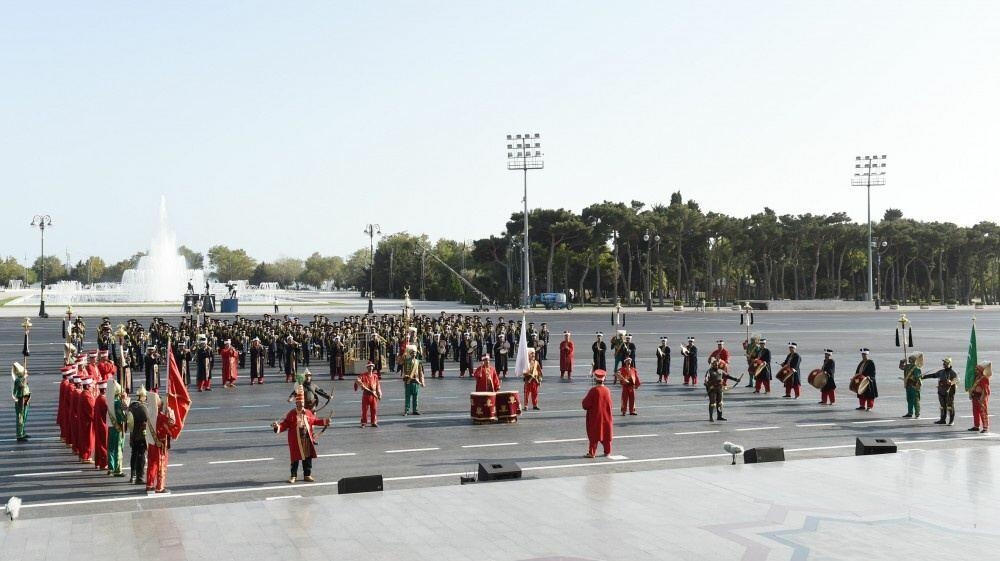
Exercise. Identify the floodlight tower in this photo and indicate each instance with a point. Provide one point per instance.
(524, 152)
(868, 171)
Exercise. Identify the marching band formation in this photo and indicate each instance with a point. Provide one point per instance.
(101, 405)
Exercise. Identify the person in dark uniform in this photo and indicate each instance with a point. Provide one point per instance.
(866, 367)
(182, 355)
(827, 393)
(137, 438)
(947, 382)
(763, 355)
(205, 357)
(793, 361)
(257, 353)
(663, 361)
(543, 341)
(291, 358)
(151, 366)
(690, 353)
(600, 350)
(438, 350)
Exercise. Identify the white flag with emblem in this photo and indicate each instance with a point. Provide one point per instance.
(522, 349)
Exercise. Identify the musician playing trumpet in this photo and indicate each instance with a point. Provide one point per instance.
(628, 376)
(413, 379)
(371, 394)
(532, 380)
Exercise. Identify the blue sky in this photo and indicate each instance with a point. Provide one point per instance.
(284, 128)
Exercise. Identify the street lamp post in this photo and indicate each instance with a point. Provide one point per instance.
(594, 223)
(649, 268)
(42, 221)
(614, 240)
(868, 171)
(659, 271)
(371, 230)
(880, 247)
(524, 152)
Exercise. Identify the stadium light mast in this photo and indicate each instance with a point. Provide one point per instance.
(524, 152)
(869, 171)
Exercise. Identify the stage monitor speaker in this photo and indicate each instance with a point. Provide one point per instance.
(498, 470)
(360, 484)
(761, 455)
(869, 445)
(230, 306)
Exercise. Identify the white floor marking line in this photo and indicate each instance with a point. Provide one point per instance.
(617, 457)
(808, 425)
(46, 473)
(756, 428)
(696, 432)
(240, 461)
(873, 422)
(636, 436)
(337, 455)
(489, 445)
(253, 406)
(411, 450)
(558, 440)
(205, 408)
(282, 497)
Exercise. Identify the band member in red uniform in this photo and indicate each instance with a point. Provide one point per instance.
(371, 389)
(566, 348)
(532, 380)
(866, 367)
(230, 364)
(792, 360)
(979, 393)
(720, 352)
(88, 401)
(628, 376)
(487, 379)
(299, 423)
(62, 413)
(105, 367)
(101, 428)
(828, 392)
(158, 443)
(600, 420)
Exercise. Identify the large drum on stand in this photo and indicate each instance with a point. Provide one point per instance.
(818, 378)
(484, 407)
(508, 407)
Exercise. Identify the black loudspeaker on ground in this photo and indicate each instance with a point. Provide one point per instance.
(868, 445)
(497, 471)
(360, 484)
(761, 455)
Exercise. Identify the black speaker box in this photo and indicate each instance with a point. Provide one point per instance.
(497, 471)
(360, 484)
(868, 445)
(761, 455)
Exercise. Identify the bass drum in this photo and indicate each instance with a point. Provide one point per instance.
(859, 383)
(818, 378)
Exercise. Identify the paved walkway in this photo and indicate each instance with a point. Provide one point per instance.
(912, 505)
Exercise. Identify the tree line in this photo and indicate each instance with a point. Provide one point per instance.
(628, 251)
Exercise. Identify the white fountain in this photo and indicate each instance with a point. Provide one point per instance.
(161, 275)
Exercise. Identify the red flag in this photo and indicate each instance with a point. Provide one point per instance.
(178, 398)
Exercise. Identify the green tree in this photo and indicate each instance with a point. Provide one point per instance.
(193, 259)
(55, 271)
(11, 268)
(230, 264)
(318, 270)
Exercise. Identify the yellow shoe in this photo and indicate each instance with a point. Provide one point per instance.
(308, 479)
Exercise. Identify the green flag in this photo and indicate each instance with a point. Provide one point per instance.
(971, 359)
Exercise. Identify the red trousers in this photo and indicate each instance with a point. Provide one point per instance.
(606, 444)
(531, 393)
(628, 399)
(205, 384)
(156, 468)
(866, 403)
(693, 378)
(790, 388)
(369, 408)
(981, 413)
(762, 382)
(828, 396)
